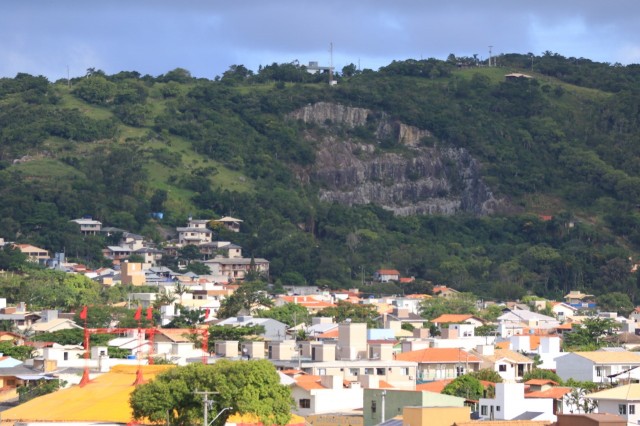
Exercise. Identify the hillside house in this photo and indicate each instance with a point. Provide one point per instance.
(88, 226)
(622, 400)
(386, 275)
(196, 232)
(230, 223)
(34, 254)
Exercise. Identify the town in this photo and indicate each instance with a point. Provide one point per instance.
(442, 358)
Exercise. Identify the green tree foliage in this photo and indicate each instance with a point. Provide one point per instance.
(488, 375)
(539, 373)
(248, 297)
(291, 314)
(615, 302)
(465, 386)
(462, 303)
(245, 386)
(12, 259)
(18, 352)
(226, 332)
(72, 336)
(41, 387)
(590, 334)
(349, 311)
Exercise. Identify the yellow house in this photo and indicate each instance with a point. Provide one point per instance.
(435, 416)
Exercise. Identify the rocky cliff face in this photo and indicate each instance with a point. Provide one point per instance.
(407, 177)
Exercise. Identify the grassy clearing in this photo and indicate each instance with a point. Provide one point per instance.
(48, 169)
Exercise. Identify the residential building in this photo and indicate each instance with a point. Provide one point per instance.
(520, 321)
(196, 232)
(622, 400)
(236, 269)
(599, 366)
(231, 223)
(380, 405)
(444, 291)
(88, 226)
(580, 300)
(273, 330)
(34, 254)
(510, 365)
(325, 394)
(441, 363)
(131, 273)
(457, 319)
(386, 275)
(510, 403)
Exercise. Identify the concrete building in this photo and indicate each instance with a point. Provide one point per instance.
(273, 330)
(622, 400)
(509, 403)
(599, 366)
(88, 226)
(131, 273)
(380, 405)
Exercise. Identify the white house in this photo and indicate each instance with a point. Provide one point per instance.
(510, 403)
(519, 321)
(563, 311)
(386, 275)
(599, 366)
(622, 400)
(510, 365)
(325, 394)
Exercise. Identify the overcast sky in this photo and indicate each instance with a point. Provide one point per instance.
(47, 37)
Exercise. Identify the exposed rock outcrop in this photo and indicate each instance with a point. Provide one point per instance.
(411, 179)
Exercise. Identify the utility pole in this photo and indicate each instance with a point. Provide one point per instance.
(206, 403)
(383, 394)
(490, 58)
(330, 63)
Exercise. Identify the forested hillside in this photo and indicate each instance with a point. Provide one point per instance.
(503, 186)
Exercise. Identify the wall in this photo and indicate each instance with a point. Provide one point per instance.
(572, 366)
(396, 400)
(435, 416)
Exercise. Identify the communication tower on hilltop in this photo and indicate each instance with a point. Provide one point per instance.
(490, 57)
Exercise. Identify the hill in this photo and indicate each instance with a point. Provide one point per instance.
(444, 170)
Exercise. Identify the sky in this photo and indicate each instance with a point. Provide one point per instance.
(66, 37)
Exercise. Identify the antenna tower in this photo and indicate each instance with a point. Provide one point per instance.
(490, 57)
(330, 63)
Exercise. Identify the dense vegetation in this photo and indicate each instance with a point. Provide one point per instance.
(119, 147)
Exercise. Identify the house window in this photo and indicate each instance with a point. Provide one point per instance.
(65, 356)
(322, 371)
(502, 368)
(373, 407)
(632, 408)
(599, 371)
(368, 371)
(354, 371)
(404, 371)
(305, 403)
(622, 409)
(380, 371)
(483, 410)
(497, 408)
(459, 371)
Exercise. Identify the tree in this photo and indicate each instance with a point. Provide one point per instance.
(615, 302)
(291, 314)
(227, 332)
(249, 296)
(11, 258)
(465, 386)
(462, 303)
(589, 335)
(488, 375)
(18, 352)
(356, 313)
(198, 268)
(540, 373)
(187, 318)
(248, 387)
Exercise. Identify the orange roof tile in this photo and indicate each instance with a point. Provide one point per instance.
(557, 392)
(331, 334)
(503, 345)
(437, 386)
(540, 382)
(388, 272)
(309, 382)
(439, 355)
(449, 318)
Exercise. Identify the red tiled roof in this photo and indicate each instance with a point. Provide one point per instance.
(557, 392)
(388, 272)
(540, 382)
(436, 386)
(450, 318)
(331, 334)
(438, 355)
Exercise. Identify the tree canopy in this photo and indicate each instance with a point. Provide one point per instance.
(245, 386)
